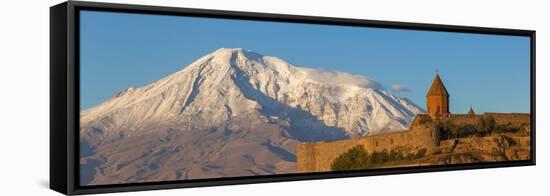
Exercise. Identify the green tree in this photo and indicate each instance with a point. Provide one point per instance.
(486, 124)
(353, 159)
(378, 157)
(396, 155)
(420, 153)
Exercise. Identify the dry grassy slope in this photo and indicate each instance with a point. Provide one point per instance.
(494, 147)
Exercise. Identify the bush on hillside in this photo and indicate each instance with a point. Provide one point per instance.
(353, 159)
(486, 125)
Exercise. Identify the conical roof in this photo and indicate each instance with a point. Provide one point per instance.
(437, 88)
(471, 112)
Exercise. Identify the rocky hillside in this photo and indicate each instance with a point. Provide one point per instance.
(495, 147)
(474, 149)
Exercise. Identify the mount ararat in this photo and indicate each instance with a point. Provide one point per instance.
(230, 113)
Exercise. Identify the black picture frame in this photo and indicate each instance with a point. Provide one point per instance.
(64, 95)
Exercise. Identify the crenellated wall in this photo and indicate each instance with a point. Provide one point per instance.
(317, 156)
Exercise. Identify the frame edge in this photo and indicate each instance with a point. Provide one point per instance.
(70, 96)
(58, 98)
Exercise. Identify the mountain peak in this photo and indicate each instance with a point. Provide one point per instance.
(229, 82)
(222, 50)
(224, 55)
(253, 105)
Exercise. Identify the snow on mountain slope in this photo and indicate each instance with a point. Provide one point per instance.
(230, 113)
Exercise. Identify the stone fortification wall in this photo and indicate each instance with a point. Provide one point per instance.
(317, 156)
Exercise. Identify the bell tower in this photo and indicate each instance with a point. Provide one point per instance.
(437, 99)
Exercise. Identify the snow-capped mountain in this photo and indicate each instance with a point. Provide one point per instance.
(230, 113)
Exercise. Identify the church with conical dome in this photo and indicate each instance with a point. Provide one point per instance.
(437, 99)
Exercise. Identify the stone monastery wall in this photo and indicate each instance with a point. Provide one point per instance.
(317, 156)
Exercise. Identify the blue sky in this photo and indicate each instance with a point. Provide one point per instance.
(490, 72)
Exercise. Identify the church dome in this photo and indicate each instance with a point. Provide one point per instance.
(437, 88)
